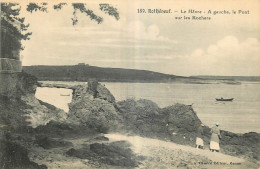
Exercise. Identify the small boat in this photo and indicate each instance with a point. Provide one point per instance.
(64, 94)
(225, 100)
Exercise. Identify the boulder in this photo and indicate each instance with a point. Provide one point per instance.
(142, 117)
(92, 106)
(181, 118)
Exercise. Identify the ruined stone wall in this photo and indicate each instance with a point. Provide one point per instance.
(10, 65)
(9, 70)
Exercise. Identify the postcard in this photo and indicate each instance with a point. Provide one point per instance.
(130, 84)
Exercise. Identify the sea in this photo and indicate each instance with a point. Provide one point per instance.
(242, 115)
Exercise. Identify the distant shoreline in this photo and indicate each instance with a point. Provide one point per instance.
(82, 73)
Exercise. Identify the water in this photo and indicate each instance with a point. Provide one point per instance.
(57, 97)
(240, 116)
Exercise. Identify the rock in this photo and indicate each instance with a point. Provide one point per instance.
(48, 143)
(92, 88)
(63, 130)
(24, 108)
(14, 85)
(54, 85)
(181, 118)
(112, 154)
(247, 144)
(124, 144)
(12, 112)
(147, 119)
(40, 113)
(15, 156)
(27, 83)
(83, 153)
(101, 138)
(92, 108)
(99, 91)
(141, 117)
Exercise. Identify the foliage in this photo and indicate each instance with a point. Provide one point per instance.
(12, 35)
(110, 10)
(34, 7)
(59, 6)
(81, 7)
(106, 8)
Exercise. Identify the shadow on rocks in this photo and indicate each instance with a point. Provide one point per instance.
(15, 156)
(49, 143)
(115, 153)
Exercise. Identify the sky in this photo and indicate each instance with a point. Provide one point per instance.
(227, 44)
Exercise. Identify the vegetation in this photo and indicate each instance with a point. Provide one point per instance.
(14, 29)
(84, 73)
(12, 34)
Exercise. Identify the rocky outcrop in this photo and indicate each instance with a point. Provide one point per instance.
(92, 106)
(23, 108)
(246, 145)
(93, 110)
(19, 108)
(40, 113)
(54, 85)
(146, 118)
(181, 118)
(26, 83)
(182, 124)
(178, 123)
(142, 117)
(14, 85)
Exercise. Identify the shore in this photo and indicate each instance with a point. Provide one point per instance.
(154, 153)
(135, 134)
(165, 154)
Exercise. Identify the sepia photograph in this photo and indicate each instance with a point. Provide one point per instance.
(169, 84)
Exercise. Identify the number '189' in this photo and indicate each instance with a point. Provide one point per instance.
(141, 11)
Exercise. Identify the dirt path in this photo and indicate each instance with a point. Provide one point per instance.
(156, 154)
(162, 154)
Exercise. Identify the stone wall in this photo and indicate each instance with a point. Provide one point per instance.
(10, 65)
(9, 70)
